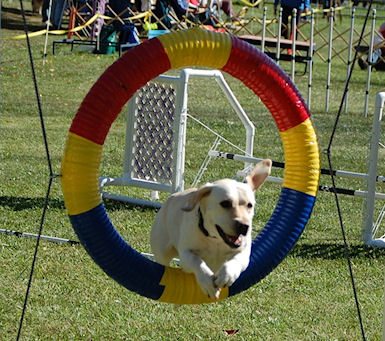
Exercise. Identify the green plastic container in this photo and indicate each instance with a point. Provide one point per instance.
(108, 40)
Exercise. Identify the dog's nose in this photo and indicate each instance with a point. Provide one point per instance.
(241, 228)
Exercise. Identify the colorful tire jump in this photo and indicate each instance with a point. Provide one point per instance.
(99, 109)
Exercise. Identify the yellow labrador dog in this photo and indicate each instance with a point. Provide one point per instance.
(209, 229)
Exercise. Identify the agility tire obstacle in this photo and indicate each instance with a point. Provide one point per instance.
(99, 109)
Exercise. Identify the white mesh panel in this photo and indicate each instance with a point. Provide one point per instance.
(154, 137)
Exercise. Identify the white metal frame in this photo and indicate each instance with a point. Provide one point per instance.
(180, 121)
(370, 228)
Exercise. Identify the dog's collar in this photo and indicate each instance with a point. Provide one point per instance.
(201, 223)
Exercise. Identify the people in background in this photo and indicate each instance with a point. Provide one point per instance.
(162, 7)
(378, 55)
(287, 10)
(193, 9)
(56, 13)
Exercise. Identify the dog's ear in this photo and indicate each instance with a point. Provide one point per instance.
(194, 197)
(259, 174)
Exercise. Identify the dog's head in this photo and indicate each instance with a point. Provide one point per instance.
(227, 206)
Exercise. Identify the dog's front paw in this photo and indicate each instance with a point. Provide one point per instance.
(207, 285)
(227, 274)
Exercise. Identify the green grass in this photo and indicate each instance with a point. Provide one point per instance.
(308, 297)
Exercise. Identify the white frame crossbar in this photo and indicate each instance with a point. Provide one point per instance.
(345, 174)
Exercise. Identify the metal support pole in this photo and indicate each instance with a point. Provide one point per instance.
(48, 23)
(310, 62)
(331, 22)
(293, 37)
(263, 29)
(278, 51)
(370, 62)
(350, 49)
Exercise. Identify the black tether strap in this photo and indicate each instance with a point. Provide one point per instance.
(51, 175)
(332, 174)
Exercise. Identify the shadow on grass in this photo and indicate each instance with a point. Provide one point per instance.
(21, 203)
(12, 20)
(320, 250)
(333, 251)
(114, 205)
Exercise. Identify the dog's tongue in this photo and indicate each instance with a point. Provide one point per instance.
(236, 240)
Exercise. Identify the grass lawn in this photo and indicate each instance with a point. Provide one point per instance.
(308, 297)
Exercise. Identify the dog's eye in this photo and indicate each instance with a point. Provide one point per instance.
(249, 205)
(226, 204)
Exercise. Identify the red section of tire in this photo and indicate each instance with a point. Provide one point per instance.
(115, 87)
(259, 73)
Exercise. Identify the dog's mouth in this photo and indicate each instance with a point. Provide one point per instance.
(232, 241)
